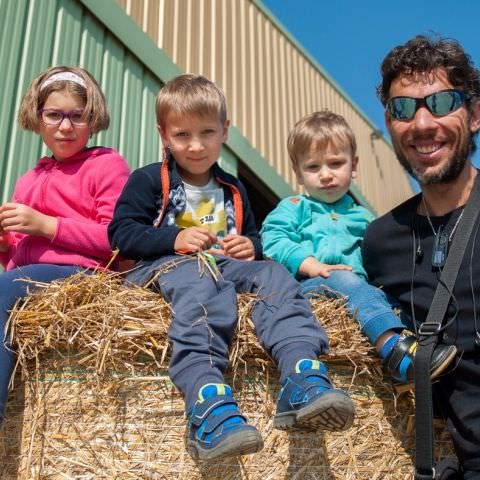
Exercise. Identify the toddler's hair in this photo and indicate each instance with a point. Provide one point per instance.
(319, 130)
(85, 88)
(190, 94)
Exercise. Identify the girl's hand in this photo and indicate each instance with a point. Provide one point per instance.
(311, 267)
(194, 239)
(16, 217)
(239, 247)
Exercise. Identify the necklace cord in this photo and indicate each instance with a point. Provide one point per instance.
(439, 280)
(435, 233)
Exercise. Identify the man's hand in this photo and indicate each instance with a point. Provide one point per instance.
(16, 217)
(239, 247)
(311, 267)
(194, 239)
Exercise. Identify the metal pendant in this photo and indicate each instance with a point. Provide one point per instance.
(440, 249)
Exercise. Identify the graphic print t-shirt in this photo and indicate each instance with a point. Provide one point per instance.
(205, 207)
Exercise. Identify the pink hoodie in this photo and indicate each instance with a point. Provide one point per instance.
(81, 192)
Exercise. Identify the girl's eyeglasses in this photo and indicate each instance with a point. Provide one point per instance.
(439, 103)
(55, 117)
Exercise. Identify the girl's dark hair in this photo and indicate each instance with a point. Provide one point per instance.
(424, 54)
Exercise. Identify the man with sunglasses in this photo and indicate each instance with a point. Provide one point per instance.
(431, 91)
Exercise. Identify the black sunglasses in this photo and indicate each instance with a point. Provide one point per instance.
(439, 103)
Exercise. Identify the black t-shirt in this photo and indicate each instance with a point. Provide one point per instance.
(397, 255)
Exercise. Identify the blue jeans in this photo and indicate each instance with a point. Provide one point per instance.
(11, 289)
(370, 306)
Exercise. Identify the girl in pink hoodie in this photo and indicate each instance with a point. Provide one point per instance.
(56, 223)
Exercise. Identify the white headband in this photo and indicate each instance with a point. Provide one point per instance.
(66, 76)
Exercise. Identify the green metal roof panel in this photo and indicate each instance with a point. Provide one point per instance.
(92, 45)
(131, 109)
(12, 18)
(68, 31)
(111, 82)
(150, 148)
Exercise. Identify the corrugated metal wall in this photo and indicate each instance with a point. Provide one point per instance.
(269, 82)
(38, 33)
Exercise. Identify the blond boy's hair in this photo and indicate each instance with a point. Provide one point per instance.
(190, 94)
(320, 131)
(90, 93)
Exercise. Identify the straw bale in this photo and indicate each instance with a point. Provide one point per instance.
(92, 398)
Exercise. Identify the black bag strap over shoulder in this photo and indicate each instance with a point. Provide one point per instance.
(428, 337)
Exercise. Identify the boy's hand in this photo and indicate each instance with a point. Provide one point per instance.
(239, 247)
(194, 239)
(311, 267)
(16, 217)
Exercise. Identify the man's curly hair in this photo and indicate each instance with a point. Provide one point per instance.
(424, 54)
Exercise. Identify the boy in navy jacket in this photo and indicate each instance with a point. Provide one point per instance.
(188, 204)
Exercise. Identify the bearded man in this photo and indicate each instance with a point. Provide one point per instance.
(431, 91)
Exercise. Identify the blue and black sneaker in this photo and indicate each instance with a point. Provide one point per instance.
(399, 361)
(217, 429)
(308, 401)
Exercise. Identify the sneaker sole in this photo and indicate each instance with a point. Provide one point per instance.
(406, 387)
(331, 411)
(236, 444)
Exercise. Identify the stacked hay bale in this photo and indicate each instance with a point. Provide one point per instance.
(92, 398)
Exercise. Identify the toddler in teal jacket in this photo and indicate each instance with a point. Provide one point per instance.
(317, 237)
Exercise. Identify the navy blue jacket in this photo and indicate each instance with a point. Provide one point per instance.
(143, 228)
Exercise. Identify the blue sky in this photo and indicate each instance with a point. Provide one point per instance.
(350, 38)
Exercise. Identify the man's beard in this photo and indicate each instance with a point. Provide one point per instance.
(449, 172)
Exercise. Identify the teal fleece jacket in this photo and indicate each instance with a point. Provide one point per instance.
(301, 227)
